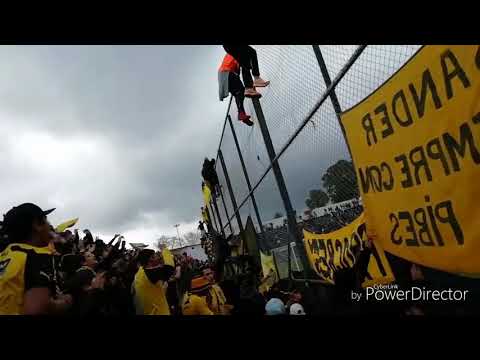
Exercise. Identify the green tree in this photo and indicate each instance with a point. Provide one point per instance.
(318, 198)
(340, 181)
(277, 215)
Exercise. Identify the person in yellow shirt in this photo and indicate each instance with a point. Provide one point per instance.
(218, 303)
(28, 279)
(196, 301)
(148, 286)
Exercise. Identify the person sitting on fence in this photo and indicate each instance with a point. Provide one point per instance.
(229, 81)
(247, 58)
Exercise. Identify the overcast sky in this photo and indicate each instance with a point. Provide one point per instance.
(115, 135)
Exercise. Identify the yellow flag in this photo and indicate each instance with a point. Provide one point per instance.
(168, 257)
(65, 225)
(267, 263)
(269, 272)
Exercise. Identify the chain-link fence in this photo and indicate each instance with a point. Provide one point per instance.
(295, 156)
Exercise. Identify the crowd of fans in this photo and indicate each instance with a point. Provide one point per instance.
(335, 218)
(43, 271)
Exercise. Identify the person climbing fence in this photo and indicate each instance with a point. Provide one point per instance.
(210, 176)
(201, 227)
(247, 58)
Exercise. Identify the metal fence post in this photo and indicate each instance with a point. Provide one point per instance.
(214, 201)
(282, 188)
(214, 217)
(230, 191)
(245, 173)
(333, 94)
(326, 78)
(225, 208)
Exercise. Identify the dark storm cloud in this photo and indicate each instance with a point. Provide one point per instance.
(113, 134)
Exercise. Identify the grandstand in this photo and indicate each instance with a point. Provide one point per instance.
(325, 219)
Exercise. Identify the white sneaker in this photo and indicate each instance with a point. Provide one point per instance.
(260, 82)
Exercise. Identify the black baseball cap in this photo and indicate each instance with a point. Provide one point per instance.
(21, 217)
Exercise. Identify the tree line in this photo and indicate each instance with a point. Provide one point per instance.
(340, 183)
(173, 242)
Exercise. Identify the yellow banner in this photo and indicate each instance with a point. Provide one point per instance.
(415, 144)
(337, 250)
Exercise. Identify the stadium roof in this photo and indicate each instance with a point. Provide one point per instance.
(138, 245)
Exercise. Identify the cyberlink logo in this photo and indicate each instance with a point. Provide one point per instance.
(392, 293)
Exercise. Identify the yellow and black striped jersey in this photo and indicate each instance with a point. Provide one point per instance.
(23, 267)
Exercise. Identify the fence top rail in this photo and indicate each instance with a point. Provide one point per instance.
(302, 125)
